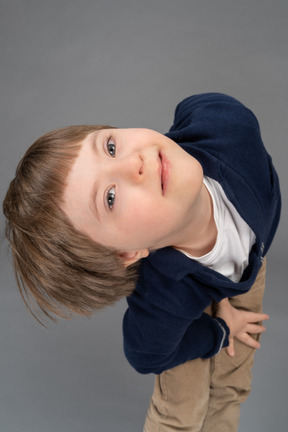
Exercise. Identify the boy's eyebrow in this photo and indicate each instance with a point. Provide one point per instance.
(93, 201)
(94, 142)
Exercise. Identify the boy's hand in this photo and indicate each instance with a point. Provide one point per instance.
(241, 324)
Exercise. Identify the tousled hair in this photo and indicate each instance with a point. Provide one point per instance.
(59, 271)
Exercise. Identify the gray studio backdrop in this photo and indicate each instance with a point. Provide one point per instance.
(128, 63)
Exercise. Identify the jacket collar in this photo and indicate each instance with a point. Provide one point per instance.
(172, 263)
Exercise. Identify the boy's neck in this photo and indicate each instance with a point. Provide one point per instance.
(202, 233)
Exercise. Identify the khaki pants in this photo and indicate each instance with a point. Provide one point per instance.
(205, 395)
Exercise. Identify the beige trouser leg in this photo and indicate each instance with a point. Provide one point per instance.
(205, 395)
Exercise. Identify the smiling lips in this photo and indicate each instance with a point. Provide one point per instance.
(164, 172)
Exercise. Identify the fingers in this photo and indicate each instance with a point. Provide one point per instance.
(255, 328)
(230, 348)
(252, 323)
(253, 317)
(248, 340)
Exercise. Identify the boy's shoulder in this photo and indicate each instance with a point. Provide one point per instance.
(209, 106)
(220, 132)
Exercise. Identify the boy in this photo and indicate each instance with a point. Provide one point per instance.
(200, 205)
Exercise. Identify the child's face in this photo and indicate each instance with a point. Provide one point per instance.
(132, 190)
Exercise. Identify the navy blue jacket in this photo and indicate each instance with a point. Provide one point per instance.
(164, 325)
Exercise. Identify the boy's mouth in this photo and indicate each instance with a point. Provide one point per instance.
(164, 172)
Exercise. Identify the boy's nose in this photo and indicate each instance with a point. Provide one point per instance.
(131, 168)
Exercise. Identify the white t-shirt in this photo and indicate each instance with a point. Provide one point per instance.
(235, 238)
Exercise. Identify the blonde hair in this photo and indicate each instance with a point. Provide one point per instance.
(59, 270)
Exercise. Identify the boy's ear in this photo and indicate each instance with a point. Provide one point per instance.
(132, 257)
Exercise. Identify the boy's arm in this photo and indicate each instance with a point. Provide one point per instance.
(156, 340)
(241, 324)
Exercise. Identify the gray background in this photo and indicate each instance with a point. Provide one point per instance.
(129, 63)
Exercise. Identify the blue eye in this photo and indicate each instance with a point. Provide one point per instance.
(110, 197)
(111, 147)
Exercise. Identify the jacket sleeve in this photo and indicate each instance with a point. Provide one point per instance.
(226, 110)
(156, 340)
